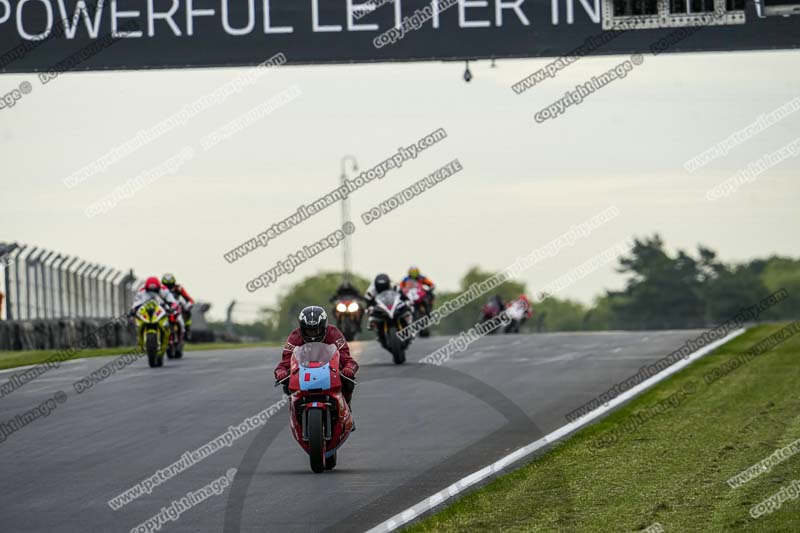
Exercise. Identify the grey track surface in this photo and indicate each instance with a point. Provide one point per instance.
(419, 429)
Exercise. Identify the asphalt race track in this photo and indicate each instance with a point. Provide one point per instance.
(420, 428)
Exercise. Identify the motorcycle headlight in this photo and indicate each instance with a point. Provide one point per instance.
(341, 307)
(353, 307)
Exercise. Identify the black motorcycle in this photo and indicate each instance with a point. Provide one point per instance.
(390, 315)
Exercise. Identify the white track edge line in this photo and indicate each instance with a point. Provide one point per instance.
(463, 484)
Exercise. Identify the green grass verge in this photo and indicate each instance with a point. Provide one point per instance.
(32, 357)
(669, 468)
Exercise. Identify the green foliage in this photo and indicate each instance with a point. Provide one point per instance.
(665, 292)
(662, 292)
(601, 317)
(553, 314)
(731, 290)
(778, 273)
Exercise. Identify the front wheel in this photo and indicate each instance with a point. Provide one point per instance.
(316, 441)
(151, 347)
(348, 329)
(396, 347)
(330, 462)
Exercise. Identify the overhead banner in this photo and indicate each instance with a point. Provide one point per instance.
(69, 35)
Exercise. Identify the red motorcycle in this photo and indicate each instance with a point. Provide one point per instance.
(176, 340)
(420, 299)
(488, 312)
(319, 415)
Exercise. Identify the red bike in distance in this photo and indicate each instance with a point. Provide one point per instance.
(318, 413)
(489, 311)
(418, 295)
(176, 340)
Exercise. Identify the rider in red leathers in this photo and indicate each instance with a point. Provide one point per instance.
(314, 328)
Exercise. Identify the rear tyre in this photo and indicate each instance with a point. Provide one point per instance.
(179, 351)
(151, 347)
(330, 462)
(170, 352)
(316, 442)
(424, 333)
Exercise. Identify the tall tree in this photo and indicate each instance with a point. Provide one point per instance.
(662, 292)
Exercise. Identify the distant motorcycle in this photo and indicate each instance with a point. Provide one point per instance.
(489, 311)
(152, 324)
(420, 298)
(517, 311)
(348, 318)
(318, 414)
(186, 309)
(176, 340)
(390, 315)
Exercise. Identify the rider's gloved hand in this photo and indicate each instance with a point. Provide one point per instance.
(348, 372)
(280, 374)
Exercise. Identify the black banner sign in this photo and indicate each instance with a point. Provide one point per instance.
(58, 35)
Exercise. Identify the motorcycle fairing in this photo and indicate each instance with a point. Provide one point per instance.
(315, 377)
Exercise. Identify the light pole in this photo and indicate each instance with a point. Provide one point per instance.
(346, 255)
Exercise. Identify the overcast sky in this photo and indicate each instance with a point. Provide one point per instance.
(523, 183)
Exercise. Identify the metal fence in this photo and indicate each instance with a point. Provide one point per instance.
(41, 284)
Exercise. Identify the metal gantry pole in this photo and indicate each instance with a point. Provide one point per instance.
(90, 284)
(43, 285)
(106, 304)
(70, 276)
(29, 262)
(82, 276)
(127, 290)
(37, 271)
(17, 291)
(5, 258)
(75, 299)
(96, 282)
(115, 304)
(60, 270)
(48, 298)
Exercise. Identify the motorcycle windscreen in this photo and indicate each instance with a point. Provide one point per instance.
(387, 298)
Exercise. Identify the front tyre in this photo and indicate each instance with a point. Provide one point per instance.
(396, 347)
(348, 329)
(330, 462)
(151, 347)
(316, 441)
